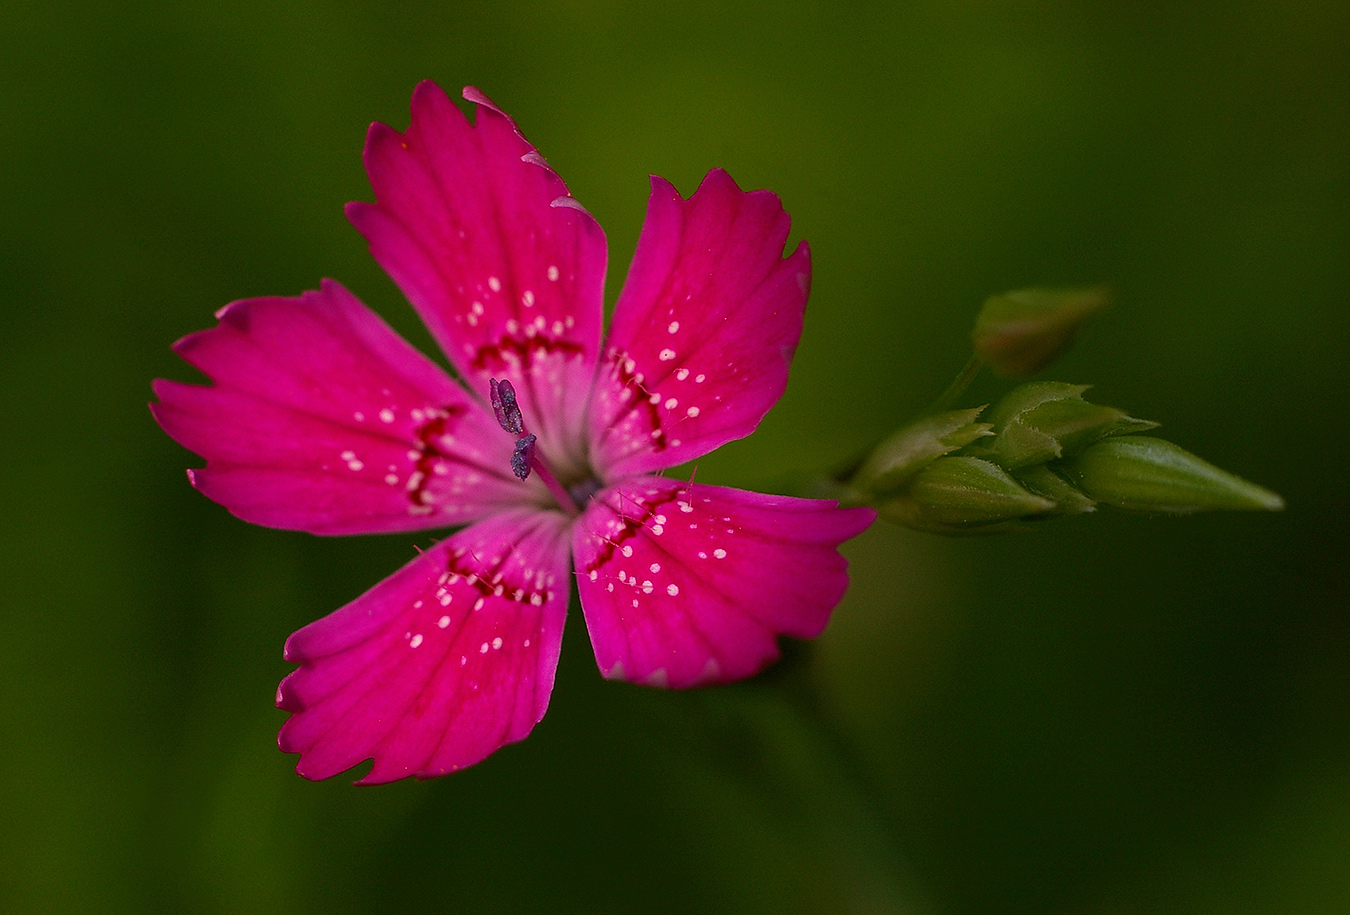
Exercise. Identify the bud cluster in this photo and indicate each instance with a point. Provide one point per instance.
(1041, 452)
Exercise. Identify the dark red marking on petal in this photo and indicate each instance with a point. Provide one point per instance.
(429, 451)
(632, 380)
(492, 355)
(645, 510)
(463, 565)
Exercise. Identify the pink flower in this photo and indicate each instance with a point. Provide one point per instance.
(322, 419)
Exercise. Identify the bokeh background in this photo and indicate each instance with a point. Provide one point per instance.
(1113, 715)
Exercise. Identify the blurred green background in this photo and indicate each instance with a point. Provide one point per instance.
(1113, 715)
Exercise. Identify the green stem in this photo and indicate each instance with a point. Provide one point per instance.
(956, 388)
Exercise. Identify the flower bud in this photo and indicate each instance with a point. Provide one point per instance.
(1021, 332)
(1140, 473)
(896, 460)
(1046, 420)
(953, 495)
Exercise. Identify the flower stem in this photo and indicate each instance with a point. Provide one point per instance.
(956, 388)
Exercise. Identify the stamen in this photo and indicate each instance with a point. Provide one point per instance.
(503, 396)
(523, 457)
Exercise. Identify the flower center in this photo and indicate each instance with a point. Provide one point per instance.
(527, 457)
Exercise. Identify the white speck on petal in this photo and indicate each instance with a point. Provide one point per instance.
(497, 642)
(691, 412)
(552, 273)
(672, 403)
(386, 415)
(720, 553)
(666, 354)
(494, 284)
(443, 622)
(674, 327)
(483, 649)
(672, 590)
(627, 550)
(416, 640)
(527, 299)
(681, 375)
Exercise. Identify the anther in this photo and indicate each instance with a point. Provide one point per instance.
(503, 396)
(523, 456)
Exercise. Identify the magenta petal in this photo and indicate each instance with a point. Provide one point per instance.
(684, 584)
(325, 420)
(505, 268)
(704, 329)
(438, 665)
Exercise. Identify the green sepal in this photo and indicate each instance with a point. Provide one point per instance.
(1021, 332)
(1046, 420)
(896, 460)
(958, 495)
(1043, 481)
(1141, 473)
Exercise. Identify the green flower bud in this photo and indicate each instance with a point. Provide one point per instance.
(954, 495)
(1046, 420)
(1043, 481)
(1139, 473)
(1021, 332)
(896, 460)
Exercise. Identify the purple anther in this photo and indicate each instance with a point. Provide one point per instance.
(503, 396)
(524, 454)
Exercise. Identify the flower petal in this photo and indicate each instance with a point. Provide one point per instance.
(323, 419)
(504, 266)
(438, 665)
(704, 329)
(684, 584)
